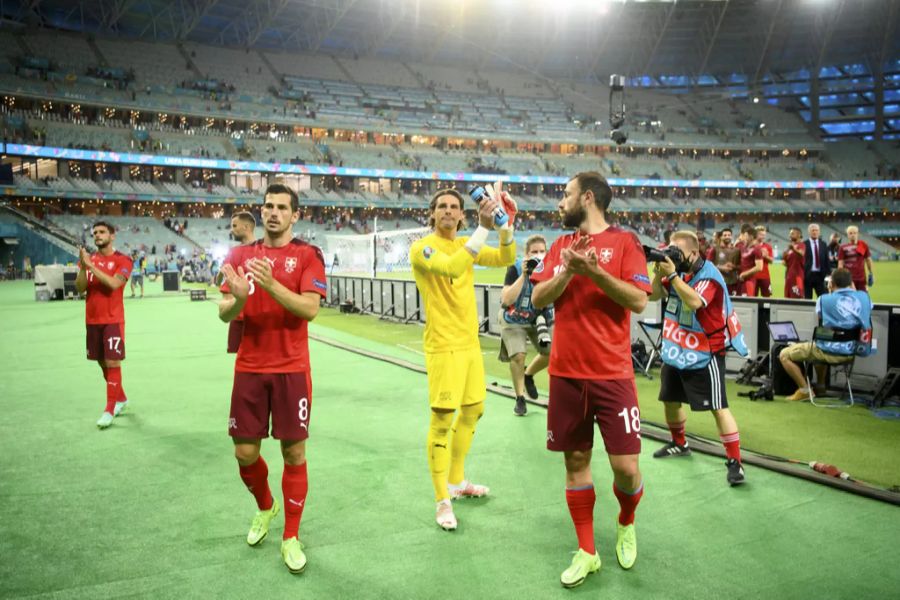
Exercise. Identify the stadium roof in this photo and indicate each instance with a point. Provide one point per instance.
(570, 38)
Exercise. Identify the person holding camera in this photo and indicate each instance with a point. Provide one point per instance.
(521, 321)
(698, 328)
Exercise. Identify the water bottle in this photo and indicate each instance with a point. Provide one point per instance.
(478, 194)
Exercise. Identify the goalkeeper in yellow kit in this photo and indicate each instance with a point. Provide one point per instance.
(443, 268)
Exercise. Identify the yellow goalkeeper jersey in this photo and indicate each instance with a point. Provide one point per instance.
(445, 277)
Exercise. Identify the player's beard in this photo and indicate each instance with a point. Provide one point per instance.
(101, 244)
(573, 218)
(282, 228)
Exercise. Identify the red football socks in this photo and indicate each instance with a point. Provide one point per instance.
(294, 486)
(113, 387)
(256, 478)
(581, 507)
(677, 430)
(628, 502)
(732, 443)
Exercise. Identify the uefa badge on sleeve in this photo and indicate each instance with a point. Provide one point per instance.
(427, 252)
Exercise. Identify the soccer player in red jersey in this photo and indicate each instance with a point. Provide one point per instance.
(276, 283)
(763, 279)
(243, 230)
(103, 275)
(727, 258)
(751, 260)
(594, 277)
(855, 256)
(793, 258)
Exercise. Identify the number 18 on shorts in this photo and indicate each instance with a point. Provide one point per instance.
(575, 404)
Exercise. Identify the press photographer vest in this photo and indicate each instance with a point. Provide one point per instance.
(846, 309)
(685, 345)
(522, 312)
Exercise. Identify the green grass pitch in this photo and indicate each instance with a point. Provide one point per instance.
(153, 507)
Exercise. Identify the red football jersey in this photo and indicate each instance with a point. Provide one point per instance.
(103, 304)
(854, 257)
(274, 340)
(793, 277)
(592, 334)
(712, 314)
(764, 274)
(749, 255)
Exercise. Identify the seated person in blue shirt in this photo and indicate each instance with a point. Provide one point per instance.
(848, 314)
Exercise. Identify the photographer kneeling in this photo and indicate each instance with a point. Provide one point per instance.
(698, 328)
(521, 321)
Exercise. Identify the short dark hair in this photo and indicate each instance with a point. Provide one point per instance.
(110, 228)
(280, 188)
(535, 239)
(246, 216)
(595, 182)
(433, 204)
(748, 228)
(797, 229)
(841, 278)
(728, 229)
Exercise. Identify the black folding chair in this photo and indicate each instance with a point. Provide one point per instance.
(652, 331)
(844, 368)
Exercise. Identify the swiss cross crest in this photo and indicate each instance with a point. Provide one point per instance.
(606, 255)
(110, 264)
(290, 264)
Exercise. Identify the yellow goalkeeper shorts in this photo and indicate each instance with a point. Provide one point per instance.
(455, 378)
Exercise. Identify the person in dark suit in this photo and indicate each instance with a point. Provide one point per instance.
(816, 265)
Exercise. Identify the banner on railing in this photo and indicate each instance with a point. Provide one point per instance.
(267, 167)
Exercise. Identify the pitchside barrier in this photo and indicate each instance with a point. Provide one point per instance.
(399, 300)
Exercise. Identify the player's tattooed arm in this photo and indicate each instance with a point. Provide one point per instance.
(113, 282)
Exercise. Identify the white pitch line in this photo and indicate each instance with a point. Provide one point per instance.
(411, 349)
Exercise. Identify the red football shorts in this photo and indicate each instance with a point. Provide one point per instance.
(287, 397)
(235, 333)
(106, 341)
(576, 403)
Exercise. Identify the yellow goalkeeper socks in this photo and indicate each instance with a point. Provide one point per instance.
(438, 452)
(463, 432)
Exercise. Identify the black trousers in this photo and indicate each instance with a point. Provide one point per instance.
(814, 281)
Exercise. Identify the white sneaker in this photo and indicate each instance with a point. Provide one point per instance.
(105, 420)
(445, 517)
(467, 489)
(120, 408)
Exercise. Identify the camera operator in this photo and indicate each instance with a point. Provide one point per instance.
(698, 328)
(521, 321)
